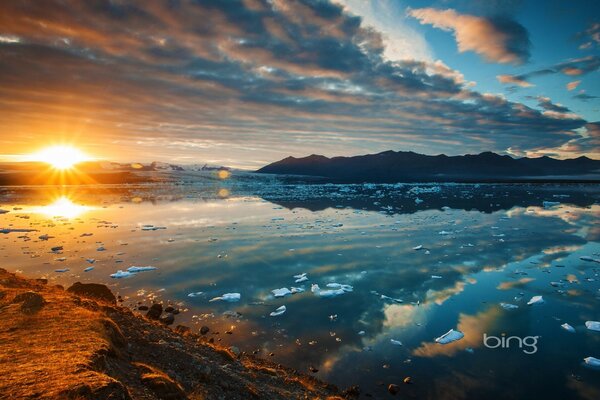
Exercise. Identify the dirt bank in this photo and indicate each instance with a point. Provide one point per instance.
(79, 344)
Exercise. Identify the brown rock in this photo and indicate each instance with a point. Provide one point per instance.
(155, 311)
(204, 330)
(32, 302)
(94, 291)
(163, 386)
(167, 318)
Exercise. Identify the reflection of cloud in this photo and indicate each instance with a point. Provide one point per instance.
(473, 326)
(401, 315)
(440, 296)
(513, 284)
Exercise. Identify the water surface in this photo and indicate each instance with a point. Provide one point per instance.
(481, 245)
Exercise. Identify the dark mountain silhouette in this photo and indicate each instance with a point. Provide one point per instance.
(400, 166)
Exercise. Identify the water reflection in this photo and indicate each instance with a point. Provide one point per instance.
(224, 236)
(61, 207)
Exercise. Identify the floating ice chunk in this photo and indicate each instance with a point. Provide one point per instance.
(278, 312)
(230, 297)
(508, 306)
(593, 325)
(419, 247)
(361, 333)
(295, 290)
(281, 292)
(61, 270)
(195, 294)
(152, 227)
(301, 278)
(536, 300)
(140, 269)
(418, 201)
(122, 274)
(9, 230)
(588, 258)
(90, 260)
(88, 269)
(345, 288)
(568, 328)
(444, 233)
(326, 293)
(450, 336)
(101, 248)
(302, 275)
(550, 204)
(395, 342)
(592, 362)
(436, 277)
(384, 297)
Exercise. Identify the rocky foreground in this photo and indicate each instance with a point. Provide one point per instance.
(78, 344)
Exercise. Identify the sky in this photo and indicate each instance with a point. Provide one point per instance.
(246, 83)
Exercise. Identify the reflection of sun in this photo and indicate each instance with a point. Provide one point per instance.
(62, 207)
(60, 156)
(223, 174)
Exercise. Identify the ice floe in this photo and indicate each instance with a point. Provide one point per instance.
(140, 269)
(535, 300)
(508, 306)
(337, 290)
(88, 269)
(195, 294)
(568, 328)
(230, 297)
(278, 312)
(593, 325)
(281, 292)
(588, 258)
(395, 342)
(592, 362)
(122, 274)
(450, 336)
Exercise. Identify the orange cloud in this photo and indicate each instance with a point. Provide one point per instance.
(498, 40)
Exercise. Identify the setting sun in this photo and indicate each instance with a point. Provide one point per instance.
(61, 157)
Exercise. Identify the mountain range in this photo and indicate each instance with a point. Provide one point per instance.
(401, 166)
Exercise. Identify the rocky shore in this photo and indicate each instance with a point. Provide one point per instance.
(77, 343)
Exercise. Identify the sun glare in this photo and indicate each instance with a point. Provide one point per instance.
(61, 157)
(62, 207)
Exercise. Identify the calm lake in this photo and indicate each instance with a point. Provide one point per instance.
(418, 259)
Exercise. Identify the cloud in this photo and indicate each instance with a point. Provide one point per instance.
(252, 83)
(513, 79)
(387, 17)
(573, 85)
(584, 96)
(590, 37)
(497, 39)
(548, 105)
(572, 67)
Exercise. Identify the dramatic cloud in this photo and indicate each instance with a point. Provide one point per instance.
(573, 85)
(242, 83)
(497, 39)
(574, 67)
